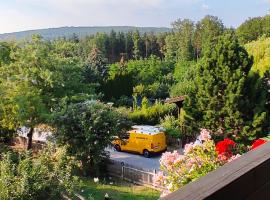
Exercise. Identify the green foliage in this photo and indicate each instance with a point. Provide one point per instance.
(207, 30)
(5, 50)
(49, 176)
(184, 31)
(184, 74)
(150, 115)
(223, 100)
(171, 125)
(150, 70)
(189, 39)
(40, 75)
(253, 28)
(120, 82)
(260, 50)
(87, 129)
(96, 68)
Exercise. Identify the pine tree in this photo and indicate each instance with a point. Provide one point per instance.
(225, 98)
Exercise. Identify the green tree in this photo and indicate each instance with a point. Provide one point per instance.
(5, 50)
(184, 30)
(224, 99)
(207, 29)
(87, 129)
(184, 75)
(48, 176)
(260, 50)
(40, 77)
(137, 48)
(96, 67)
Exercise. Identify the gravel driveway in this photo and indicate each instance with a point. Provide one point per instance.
(135, 160)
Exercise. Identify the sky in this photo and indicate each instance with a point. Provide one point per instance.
(19, 15)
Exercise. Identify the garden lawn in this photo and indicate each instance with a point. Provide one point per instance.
(117, 190)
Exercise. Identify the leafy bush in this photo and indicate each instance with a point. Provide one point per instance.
(48, 176)
(87, 128)
(150, 114)
(171, 125)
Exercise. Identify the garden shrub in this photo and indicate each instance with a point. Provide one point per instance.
(150, 114)
(171, 125)
(49, 176)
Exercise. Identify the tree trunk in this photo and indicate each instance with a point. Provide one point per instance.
(30, 136)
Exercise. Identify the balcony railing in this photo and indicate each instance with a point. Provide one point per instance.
(247, 177)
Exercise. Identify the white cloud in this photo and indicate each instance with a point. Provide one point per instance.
(205, 7)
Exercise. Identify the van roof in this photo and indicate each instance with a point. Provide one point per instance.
(146, 129)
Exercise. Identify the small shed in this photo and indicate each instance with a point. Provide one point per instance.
(176, 100)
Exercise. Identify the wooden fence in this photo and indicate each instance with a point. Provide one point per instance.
(131, 173)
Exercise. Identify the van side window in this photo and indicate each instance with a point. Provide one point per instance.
(126, 136)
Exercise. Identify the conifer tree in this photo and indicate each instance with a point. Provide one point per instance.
(229, 99)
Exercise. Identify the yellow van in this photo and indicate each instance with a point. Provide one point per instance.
(145, 140)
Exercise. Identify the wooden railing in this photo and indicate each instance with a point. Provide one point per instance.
(247, 177)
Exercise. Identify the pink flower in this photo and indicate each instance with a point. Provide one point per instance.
(167, 159)
(234, 157)
(188, 148)
(204, 135)
(179, 159)
(190, 162)
(159, 179)
(222, 158)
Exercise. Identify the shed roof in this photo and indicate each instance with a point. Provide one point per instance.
(175, 99)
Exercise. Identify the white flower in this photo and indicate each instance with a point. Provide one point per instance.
(96, 180)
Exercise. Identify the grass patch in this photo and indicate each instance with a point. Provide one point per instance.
(117, 190)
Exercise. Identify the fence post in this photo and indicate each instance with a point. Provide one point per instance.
(122, 172)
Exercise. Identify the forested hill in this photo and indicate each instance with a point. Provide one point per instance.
(52, 33)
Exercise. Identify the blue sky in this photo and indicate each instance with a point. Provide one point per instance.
(18, 15)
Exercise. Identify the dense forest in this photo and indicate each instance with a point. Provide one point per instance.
(81, 31)
(94, 87)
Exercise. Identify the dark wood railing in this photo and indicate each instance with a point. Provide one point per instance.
(248, 177)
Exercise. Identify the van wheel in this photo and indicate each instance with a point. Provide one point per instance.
(117, 147)
(146, 153)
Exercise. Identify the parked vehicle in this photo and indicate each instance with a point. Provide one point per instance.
(145, 140)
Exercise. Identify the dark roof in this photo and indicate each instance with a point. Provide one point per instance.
(175, 99)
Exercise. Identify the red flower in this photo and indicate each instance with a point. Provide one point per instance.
(225, 147)
(257, 143)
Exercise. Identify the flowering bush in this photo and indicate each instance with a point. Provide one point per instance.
(257, 143)
(178, 170)
(199, 158)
